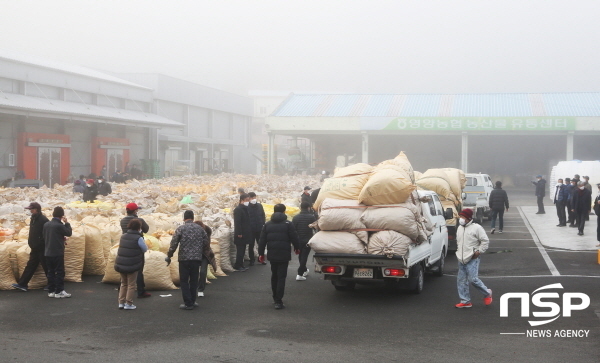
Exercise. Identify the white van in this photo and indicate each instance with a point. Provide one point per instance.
(477, 195)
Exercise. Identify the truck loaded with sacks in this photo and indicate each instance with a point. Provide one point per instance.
(375, 225)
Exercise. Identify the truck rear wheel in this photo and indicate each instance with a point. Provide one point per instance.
(417, 279)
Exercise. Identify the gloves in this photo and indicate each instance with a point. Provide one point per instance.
(297, 252)
(261, 259)
(168, 260)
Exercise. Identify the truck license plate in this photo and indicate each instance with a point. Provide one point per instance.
(363, 273)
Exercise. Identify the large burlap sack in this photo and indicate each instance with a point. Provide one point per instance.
(336, 242)
(214, 245)
(403, 163)
(23, 235)
(457, 180)
(12, 247)
(94, 262)
(152, 242)
(174, 268)
(157, 275)
(403, 218)
(344, 188)
(418, 175)
(110, 275)
(106, 240)
(39, 279)
(436, 180)
(337, 215)
(114, 228)
(7, 276)
(223, 237)
(75, 254)
(388, 243)
(389, 184)
(352, 170)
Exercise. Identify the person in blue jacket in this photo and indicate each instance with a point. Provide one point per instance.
(560, 201)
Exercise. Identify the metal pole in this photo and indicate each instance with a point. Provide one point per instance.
(464, 161)
(570, 136)
(271, 152)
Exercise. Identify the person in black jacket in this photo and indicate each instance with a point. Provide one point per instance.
(582, 204)
(256, 212)
(573, 218)
(301, 223)
(560, 200)
(55, 233)
(129, 261)
(597, 212)
(36, 243)
(104, 188)
(540, 193)
(131, 210)
(242, 234)
(305, 196)
(277, 235)
(91, 191)
(77, 187)
(498, 201)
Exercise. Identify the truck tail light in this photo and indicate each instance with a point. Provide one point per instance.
(331, 269)
(393, 272)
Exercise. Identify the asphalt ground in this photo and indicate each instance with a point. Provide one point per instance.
(236, 321)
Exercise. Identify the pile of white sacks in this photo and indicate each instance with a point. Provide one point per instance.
(96, 228)
(370, 210)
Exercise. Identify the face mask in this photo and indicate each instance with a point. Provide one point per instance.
(99, 181)
(246, 203)
(462, 222)
(582, 188)
(89, 185)
(253, 201)
(558, 184)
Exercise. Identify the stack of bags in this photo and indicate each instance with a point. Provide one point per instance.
(374, 210)
(448, 183)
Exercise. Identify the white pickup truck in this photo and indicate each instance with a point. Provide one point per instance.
(477, 196)
(346, 270)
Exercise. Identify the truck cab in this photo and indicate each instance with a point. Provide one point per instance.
(346, 270)
(477, 193)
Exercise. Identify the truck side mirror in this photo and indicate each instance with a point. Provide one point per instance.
(449, 214)
(464, 196)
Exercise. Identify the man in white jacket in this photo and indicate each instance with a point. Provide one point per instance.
(472, 242)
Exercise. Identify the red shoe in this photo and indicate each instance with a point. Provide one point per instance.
(488, 300)
(146, 294)
(461, 305)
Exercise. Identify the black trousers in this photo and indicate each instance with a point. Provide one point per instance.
(141, 286)
(255, 240)
(540, 203)
(56, 273)
(188, 276)
(571, 214)
(581, 220)
(561, 213)
(303, 257)
(203, 273)
(36, 257)
(278, 276)
(240, 252)
(598, 229)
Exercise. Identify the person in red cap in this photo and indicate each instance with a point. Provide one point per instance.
(472, 241)
(91, 191)
(37, 245)
(131, 210)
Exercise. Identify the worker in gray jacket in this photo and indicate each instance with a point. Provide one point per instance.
(471, 241)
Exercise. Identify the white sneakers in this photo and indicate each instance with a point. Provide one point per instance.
(200, 294)
(121, 306)
(305, 273)
(61, 295)
(51, 295)
(300, 278)
(129, 307)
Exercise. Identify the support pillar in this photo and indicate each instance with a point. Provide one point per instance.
(570, 136)
(271, 151)
(365, 148)
(464, 160)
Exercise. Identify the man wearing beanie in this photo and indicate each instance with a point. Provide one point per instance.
(190, 238)
(472, 242)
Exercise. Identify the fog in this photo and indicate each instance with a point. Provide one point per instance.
(330, 46)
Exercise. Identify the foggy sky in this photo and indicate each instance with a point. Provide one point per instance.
(331, 46)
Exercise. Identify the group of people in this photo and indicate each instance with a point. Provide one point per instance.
(90, 188)
(573, 200)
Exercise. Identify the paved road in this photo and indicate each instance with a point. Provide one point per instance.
(237, 323)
